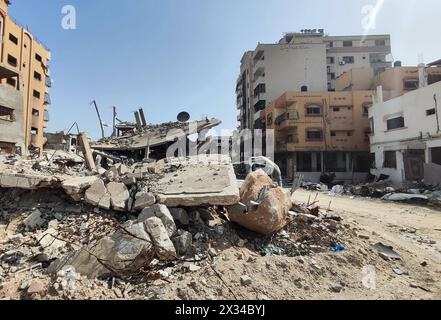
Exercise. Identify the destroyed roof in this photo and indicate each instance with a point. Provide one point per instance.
(152, 135)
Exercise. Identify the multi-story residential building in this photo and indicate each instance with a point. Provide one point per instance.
(395, 81)
(321, 132)
(348, 52)
(21, 51)
(307, 61)
(406, 134)
(244, 91)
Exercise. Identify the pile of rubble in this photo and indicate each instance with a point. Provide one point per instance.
(144, 220)
(385, 190)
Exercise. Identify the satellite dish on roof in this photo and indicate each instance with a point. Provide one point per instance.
(183, 116)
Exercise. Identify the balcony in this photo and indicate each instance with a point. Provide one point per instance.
(259, 73)
(260, 96)
(284, 146)
(47, 98)
(287, 124)
(259, 80)
(48, 82)
(260, 64)
(46, 117)
(260, 105)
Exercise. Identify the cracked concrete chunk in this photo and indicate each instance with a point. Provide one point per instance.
(97, 195)
(160, 211)
(183, 242)
(34, 220)
(165, 249)
(143, 200)
(124, 251)
(119, 195)
(75, 186)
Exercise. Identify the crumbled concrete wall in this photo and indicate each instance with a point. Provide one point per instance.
(12, 131)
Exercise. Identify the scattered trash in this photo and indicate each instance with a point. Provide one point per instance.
(338, 248)
(387, 251)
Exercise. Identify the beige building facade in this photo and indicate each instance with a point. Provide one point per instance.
(306, 61)
(22, 52)
(321, 132)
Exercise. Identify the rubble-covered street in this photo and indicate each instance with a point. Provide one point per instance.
(88, 242)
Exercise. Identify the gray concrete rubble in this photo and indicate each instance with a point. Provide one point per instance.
(123, 252)
(98, 195)
(119, 196)
(159, 211)
(76, 186)
(164, 248)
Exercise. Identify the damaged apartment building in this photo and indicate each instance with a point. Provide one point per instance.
(291, 87)
(406, 134)
(25, 73)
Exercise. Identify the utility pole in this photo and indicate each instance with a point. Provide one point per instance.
(114, 122)
(99, 118)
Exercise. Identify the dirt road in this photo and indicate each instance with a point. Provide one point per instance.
(395, 222)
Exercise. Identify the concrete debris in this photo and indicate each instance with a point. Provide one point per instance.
(144, 199)
(197, 181)
(403, 197)
(159, 211)
(164, 248)
(123, 252)
(76, 186)
(119, 195)
(386, 251)
(180, 215)
(337, 190)
(268, 217)
(34, 221)
(36, 287)
(183, 242)
(98, 195)
(245, 280)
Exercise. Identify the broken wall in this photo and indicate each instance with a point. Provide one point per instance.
(12, 128)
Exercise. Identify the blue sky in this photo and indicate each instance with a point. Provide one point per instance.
(172, 55)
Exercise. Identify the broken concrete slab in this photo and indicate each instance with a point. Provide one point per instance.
(76, 186)
(160, 211)
(198, 181)
(26, 181)
(271, 214)
(164, 248)
(119, 195)
(98, 195)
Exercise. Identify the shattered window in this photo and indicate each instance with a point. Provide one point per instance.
(6, 114)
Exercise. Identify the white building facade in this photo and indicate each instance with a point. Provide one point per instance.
(406, 134)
